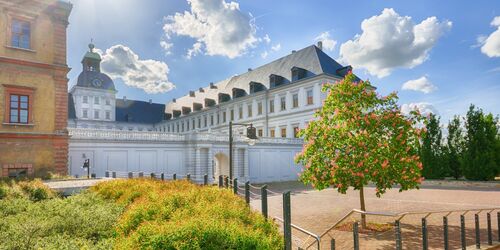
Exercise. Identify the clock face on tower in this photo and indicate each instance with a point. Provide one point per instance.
(97, 82)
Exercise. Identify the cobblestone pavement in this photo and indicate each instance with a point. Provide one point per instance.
(317, 211)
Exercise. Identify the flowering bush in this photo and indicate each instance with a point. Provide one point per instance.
(360, 137)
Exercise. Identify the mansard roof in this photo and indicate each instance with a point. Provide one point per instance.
(312, 59)
(139, 111)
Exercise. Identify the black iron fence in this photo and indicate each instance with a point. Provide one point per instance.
(404, 226)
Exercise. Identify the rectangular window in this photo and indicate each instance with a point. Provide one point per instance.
(295, 99)
(283, 103)
(96, 114)
(85, 99)
(177, 127)
(211, 120)
(218, 118)
(271, 106)
(205, 121)
(182, 127)
(108, 115)
(21, 34)
(283, 132)
(249, 110)
(272, 132)
(193, 124)
(85, 113)
(96, 100)
(108, 102)
(310, 97)
(232, 114)
(19, 108)
(224, 117)
(259, 108)
(240, 111)
(296, 132)
(199, 122)
(259, 132)
(168, 129)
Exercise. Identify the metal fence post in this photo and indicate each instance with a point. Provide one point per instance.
(355, 235)
(498, 222)
(235, 186)
(141, 174)
(221, 182)
(247, 192)
(113, 174)
(462, 232)
(490, 235)
(287, 221)
(188, 177)
(445, 232)
(332, 244)
(263, 195)
(130, 175)
(425, 244)
(174, 176)
(162, 176)
(397, 228)
(478, 236)
(205, 180)
(92, 175)
(153, 175)
(106, 174)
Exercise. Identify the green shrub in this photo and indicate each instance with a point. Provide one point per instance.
(3, 192)
(180, 215)
(36, 190)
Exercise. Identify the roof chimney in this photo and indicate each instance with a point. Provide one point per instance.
(249, 69)
(173, 100)
(320, 45)
(293, 51)
(202, 90)
(150, 101)
(191, 93)
(212, 86)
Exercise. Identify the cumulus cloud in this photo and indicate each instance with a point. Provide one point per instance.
(276, 47)
(151, 76)
(264, 54)
(491, 45)
(424, 108)
(219, 28)
(389, 41)
(421, 84)
(328, 43)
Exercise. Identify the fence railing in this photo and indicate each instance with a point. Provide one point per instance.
(250, 192)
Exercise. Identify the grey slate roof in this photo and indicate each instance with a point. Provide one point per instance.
(139, 111)
(85, 80)
(71, 107)
(311, 58)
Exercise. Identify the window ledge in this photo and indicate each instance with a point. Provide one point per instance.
(19, 124)
(19, 48)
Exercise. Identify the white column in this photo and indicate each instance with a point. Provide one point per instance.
(247, 170)
(197, 165)
(210, 170)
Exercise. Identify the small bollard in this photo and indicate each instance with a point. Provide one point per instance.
(355, 235)
(247, 192)
(153, 176)
(425, 244)
(235, 186)
(462, 232)
(113, 174)
(205, 180)
(263, 195)
(188, 177)
(141, 174)
(498, 222)
(174, 176)
(332, 244)
(397, 228)
(106, 174)
(130, 175)
(445, 232)
(162, 176)
(226, 182)
(221, 181)
(490, 235)
(287, 221)
(93, 175)
(478, 236)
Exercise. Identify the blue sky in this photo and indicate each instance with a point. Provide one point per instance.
(454, 58)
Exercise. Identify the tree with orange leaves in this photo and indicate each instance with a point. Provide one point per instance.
(359, 138)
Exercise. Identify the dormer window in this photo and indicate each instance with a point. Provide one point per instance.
(223, 97)
(238, 93)
(256, 87)
(197, 106)
(275, 80)
(298, 73)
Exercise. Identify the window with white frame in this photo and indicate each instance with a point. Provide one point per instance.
(309, 96)
(85, 99)
(259, 108)
(96, 114)
(96, 100)
(108, 115)
(250, 110)
(295, 100)
(85, 113)
(283, 103)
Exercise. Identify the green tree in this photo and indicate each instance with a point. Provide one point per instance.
(454, 147)
(360, 137)
(481, 156)
(431, 150)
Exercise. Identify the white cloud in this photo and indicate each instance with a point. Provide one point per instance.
(266, 38)
(264, 54)
(276, 47)
(491, 45)
(151, 76)
(219, 28)
(166, 46)
(421, 84)
(328, 43)
(425, 108)
(390, 41)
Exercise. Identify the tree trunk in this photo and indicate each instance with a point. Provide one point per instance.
(362, 202)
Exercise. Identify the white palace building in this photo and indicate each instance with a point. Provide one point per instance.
(190, 133)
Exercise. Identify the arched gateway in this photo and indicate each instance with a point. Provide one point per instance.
(221, 165)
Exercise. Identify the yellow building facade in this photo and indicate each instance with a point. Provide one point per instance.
(33, 87)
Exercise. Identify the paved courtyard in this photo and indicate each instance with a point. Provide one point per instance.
(317, 211)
